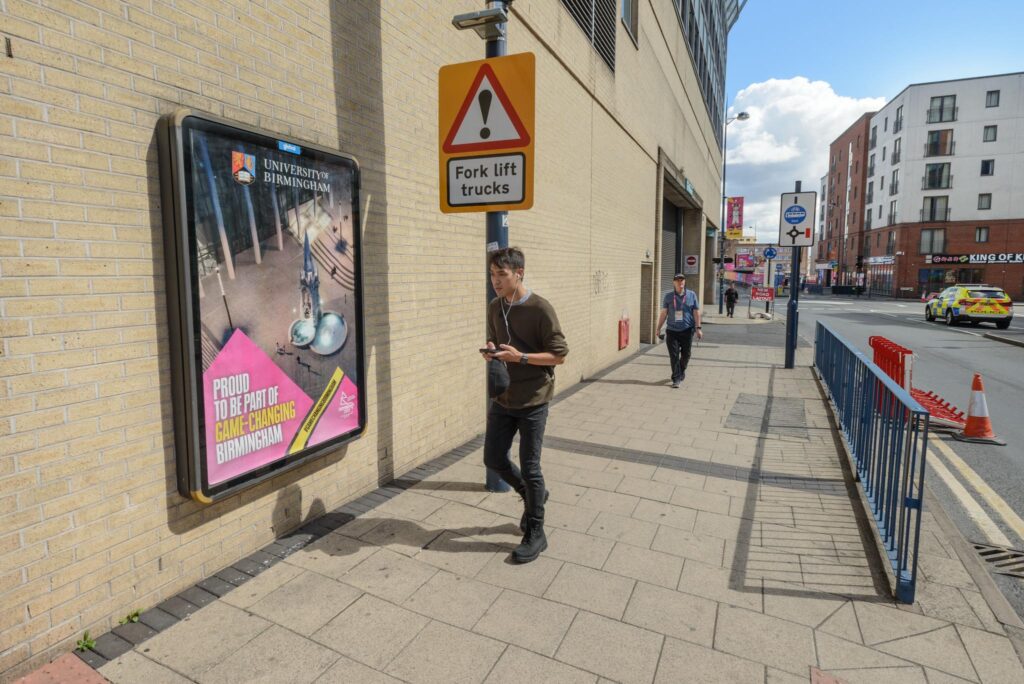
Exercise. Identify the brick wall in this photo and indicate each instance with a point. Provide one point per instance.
(91, 525)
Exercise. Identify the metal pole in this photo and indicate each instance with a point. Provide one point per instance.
(768, 284)
(497, 221)
(721, 228)
(794, 299)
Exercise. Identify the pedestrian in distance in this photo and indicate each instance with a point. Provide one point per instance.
(522, 332)
(731, 296)
(681, 310)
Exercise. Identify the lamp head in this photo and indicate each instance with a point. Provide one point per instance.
(742, 116)
(487, 23)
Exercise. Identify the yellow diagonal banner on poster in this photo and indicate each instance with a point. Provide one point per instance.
(315, 413)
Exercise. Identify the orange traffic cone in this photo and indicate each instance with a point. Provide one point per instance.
(979, 425)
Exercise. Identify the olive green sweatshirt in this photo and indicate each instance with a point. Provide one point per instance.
(532, 328)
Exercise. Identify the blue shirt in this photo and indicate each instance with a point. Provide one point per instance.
(682, 304)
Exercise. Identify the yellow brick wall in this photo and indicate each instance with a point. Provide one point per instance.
(91, 525)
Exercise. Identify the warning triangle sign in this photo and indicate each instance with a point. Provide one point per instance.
(486, 120)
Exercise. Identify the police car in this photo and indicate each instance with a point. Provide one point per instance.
(972, 304)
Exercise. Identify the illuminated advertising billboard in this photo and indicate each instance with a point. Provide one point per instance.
(263, 254)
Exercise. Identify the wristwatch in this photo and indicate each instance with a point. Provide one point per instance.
(524, 359)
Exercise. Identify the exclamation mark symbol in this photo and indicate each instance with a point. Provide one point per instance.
(484, 98)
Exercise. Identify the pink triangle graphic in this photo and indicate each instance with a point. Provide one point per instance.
(236, 453)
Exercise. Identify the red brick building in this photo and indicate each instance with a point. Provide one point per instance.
(844, 205)
(971, 252)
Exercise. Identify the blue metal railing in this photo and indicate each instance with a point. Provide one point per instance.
(886, 432)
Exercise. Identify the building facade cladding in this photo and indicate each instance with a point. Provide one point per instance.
(847, 175)
(93, 526)
(932, 139)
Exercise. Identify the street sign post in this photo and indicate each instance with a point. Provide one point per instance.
(485, 134)
(796, 219)
(691, 264)
(796, 230)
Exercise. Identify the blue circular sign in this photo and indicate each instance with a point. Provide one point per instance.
(770, 253)
(794, 214)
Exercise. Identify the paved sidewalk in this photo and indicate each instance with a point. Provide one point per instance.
(705, 534)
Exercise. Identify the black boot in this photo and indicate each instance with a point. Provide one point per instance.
(522, 521)
(534, 542)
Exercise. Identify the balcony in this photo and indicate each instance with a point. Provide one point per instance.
(939, 149)
(870, 199)
(894, 188)
(873, 143)
(936, 183)
(867, 223)
(896, 157)
(942, 114)
(871, 170)
(897, 125)
(936, 214)
(891, 218)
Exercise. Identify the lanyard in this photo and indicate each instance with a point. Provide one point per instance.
(676, 306)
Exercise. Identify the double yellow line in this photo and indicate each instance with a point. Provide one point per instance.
(974, 510)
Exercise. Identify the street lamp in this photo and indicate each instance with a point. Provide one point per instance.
(491, 25)
(742, 116)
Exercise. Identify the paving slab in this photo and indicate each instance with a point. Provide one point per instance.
(371, 631)
(277, 655)
(533, 623)
(453, 599)
(517, 665)
(306, 603)
(200, 642)
(681, 661)
(441, 654)
(610, 648)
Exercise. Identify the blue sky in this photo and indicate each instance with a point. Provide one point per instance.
(871, 48)
(805, 71)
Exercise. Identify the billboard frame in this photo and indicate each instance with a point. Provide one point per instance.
(181, 277)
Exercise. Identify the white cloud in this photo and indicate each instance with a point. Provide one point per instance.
(791, 124)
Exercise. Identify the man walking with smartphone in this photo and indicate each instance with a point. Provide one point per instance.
(523, 332)
(682, 311)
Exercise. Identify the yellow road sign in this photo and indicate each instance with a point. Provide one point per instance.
(485, 134)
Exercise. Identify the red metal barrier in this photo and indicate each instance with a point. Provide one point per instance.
(897, 362)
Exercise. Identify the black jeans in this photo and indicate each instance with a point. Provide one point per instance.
(502, 426)
(729, 307)
(679, 344)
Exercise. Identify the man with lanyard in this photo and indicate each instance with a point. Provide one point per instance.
(681, 309)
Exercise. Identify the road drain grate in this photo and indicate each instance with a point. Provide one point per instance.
(1005, 561)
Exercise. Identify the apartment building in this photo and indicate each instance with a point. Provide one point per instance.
(943, 201)
(629, 101)
(850, 159)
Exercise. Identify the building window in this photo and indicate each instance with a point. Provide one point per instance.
(892, 212)
(988, 167)
(981, 233)
(985, 200)
(883, 152)
(933, 240)
(936, 176)
(885, 125)
(871, 165)
(874, 138)
(990, 134)
(940, 143)
(597, 19)
(943, 108)
(935, 208)
(992, 98)
(897, 148)
(897, 124)
(871, 194)
(629, 16)
(894, 186)
(890, 245)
